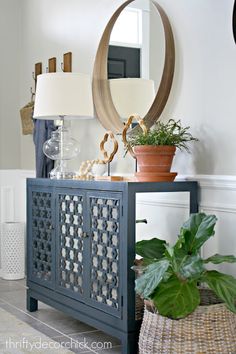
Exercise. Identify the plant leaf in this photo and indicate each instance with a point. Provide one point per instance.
(191, 267)
(224, 287)
(153, 275)
(152, 250)
(170, 133)
(217, 259)
(177, 260)
(195, 232)
(169, 253)
(176, 298)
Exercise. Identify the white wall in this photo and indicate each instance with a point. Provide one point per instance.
(9, 84)
(203, 93)
(51, 29)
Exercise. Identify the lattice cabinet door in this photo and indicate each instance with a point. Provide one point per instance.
(104, 270)
(41, 237)
(70, 242)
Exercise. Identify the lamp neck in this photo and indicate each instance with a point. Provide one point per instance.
(61, 122)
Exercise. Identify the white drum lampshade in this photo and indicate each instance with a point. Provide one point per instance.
(68, 95)
(64, 96)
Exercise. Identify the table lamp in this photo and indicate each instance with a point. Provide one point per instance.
(132, 96)
(62, 97)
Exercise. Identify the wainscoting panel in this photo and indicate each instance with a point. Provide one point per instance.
(166, 212)
(7, 203)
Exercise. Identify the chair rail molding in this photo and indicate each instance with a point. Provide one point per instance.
(208, 183)
(221, 182)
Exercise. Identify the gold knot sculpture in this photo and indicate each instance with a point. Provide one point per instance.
(86, 166)
(127, 126)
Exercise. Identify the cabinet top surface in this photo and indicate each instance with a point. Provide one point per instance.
(115, 186)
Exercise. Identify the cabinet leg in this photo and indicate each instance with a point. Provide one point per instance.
(193, 200)
(130, 343)
(32, 304)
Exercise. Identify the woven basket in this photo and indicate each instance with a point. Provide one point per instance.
(139, 308)
(210, 329)
(26, 114)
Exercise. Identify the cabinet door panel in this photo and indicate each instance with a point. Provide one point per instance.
(40, 234)
(104, 209)
(70, 242)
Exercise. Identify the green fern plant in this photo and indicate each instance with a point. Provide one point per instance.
(172, 274)
(171, 133)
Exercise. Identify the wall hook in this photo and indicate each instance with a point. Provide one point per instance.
(37, 71)
(32, 94)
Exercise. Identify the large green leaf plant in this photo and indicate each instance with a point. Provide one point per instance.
(172, 274)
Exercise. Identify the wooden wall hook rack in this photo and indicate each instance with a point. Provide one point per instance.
(66, 66)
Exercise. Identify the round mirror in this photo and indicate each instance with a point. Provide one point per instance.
(149, 52)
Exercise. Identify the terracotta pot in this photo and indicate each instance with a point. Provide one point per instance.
(155, 177)
(154, 163)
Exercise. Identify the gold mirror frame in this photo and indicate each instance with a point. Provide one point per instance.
(104, 106)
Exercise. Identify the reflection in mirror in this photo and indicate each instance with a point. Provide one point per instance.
(132, 96)
(137, 43)
(129, 56)
(146, 51)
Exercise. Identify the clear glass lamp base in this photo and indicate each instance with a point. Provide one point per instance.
(61, 147)
(61, 172)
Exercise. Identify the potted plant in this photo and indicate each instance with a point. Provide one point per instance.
(181, 316)
(154, 149)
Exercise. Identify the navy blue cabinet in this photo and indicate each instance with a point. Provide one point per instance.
(41, 243)
(81, 247)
